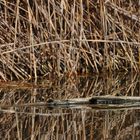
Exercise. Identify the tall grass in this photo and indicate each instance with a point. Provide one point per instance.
(56, 37)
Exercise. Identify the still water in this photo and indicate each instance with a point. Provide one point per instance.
(39, 122)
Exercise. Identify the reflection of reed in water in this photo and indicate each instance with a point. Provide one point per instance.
(115, 84)
(39, 122)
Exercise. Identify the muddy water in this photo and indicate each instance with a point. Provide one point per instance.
(64, 123)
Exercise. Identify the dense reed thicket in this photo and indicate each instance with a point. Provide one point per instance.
(40, 38)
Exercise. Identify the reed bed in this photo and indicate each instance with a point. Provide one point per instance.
(40, 122)
(58, 37)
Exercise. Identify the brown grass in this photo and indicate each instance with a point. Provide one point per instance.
(41, 38)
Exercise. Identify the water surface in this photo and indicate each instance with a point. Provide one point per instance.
(64, 123)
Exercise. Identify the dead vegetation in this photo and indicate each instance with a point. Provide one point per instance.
(41, 38)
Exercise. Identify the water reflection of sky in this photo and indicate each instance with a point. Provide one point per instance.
(40, 122)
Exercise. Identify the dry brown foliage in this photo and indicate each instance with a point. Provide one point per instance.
(40, 38)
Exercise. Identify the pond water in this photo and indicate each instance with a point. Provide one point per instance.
(30, 120)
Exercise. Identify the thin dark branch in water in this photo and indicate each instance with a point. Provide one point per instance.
(95, 101)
